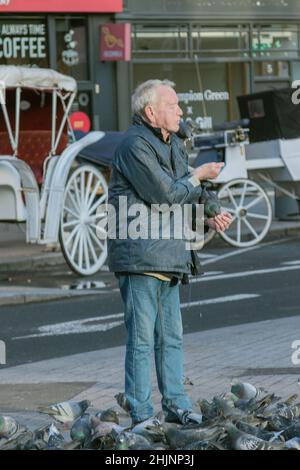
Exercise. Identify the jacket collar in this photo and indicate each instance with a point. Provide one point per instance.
(137, 119)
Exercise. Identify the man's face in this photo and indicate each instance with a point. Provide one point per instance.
(166, 111)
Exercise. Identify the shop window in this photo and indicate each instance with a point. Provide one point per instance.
(207, 95)
(151, 41)
(23, 42)
(213, 40)
(271, 69)
(275, 41)
(71, 46)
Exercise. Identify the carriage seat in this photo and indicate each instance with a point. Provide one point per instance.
(34, 147)
(209, 140)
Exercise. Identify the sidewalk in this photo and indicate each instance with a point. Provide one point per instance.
(259, 353)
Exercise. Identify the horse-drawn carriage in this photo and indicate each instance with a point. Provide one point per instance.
(262, 148)
(42, 182)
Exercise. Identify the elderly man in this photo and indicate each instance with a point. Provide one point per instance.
(151, 167)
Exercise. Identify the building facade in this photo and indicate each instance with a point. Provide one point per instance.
(64, 35)
(214, 50)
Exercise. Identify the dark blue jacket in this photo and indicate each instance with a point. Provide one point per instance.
(148, 170)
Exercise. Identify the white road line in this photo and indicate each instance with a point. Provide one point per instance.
(244, 250)
(206, 255)
(297, 261)
(212, 273)
(244, 274)
(218, 300)
(93, 324)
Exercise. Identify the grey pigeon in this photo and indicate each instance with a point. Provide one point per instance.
(186, 416)
(245, 391)
(108, 415)
(132, 441)
(67, 411)
(50, 435)
(226, 410)
(122, 401)
(292, 431)
(180, 436)
(243, 441)
(293, 443)
(8, 426)
(81, 429)
(151, 429)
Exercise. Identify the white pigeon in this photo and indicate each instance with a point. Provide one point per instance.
(66, 411)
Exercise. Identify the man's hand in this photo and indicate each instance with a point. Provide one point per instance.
(208, 171)
(220, 222)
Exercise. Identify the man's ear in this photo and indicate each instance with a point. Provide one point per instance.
(148, 111)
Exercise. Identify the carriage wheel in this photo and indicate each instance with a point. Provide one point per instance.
(251, 209)
(83, 242)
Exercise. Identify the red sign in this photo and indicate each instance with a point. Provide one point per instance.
(80, 122)
(115, 41)
(72, 6)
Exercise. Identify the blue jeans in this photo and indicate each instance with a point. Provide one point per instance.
(153, 321)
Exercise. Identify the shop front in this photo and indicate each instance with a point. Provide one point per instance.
(65, 36)
(214, 51)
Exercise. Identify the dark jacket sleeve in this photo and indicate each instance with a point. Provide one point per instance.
(138, 163)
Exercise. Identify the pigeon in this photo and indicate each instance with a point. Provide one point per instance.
(108, 415)
(226, 410)
(243, 441)
(81, 429)
(20, 441)
(49, 435)
(290, 412)
(8, 426)
(151, 429)
(208, 410)
(245, 391)
(258, 432)
(293, 443)
(101, 428)
(186, 416)
(122, 401)
(132, 441)
(67, 411)
(180, 436)
(292, 431)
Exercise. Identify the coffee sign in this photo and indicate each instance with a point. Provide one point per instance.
(22, 41)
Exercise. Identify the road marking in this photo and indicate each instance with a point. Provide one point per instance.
(244, 250)
(212, 273)
(206, 255)
(297, 261)
(244, 273)
(93, 324)
(89, 325)
(217, 300)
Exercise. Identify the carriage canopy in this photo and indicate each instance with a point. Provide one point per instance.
(13, 76)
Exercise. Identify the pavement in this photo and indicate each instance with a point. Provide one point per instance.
(261, 353)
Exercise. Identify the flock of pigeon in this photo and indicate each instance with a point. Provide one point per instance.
(246, 418)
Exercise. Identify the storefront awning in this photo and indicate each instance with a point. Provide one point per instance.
(52, 6)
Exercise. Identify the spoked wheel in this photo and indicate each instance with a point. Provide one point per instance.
(251, 210)
(82, 241)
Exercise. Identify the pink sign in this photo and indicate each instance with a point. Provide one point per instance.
(115, 41)
(72, 6)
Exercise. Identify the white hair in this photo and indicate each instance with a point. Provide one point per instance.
(145, 94)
